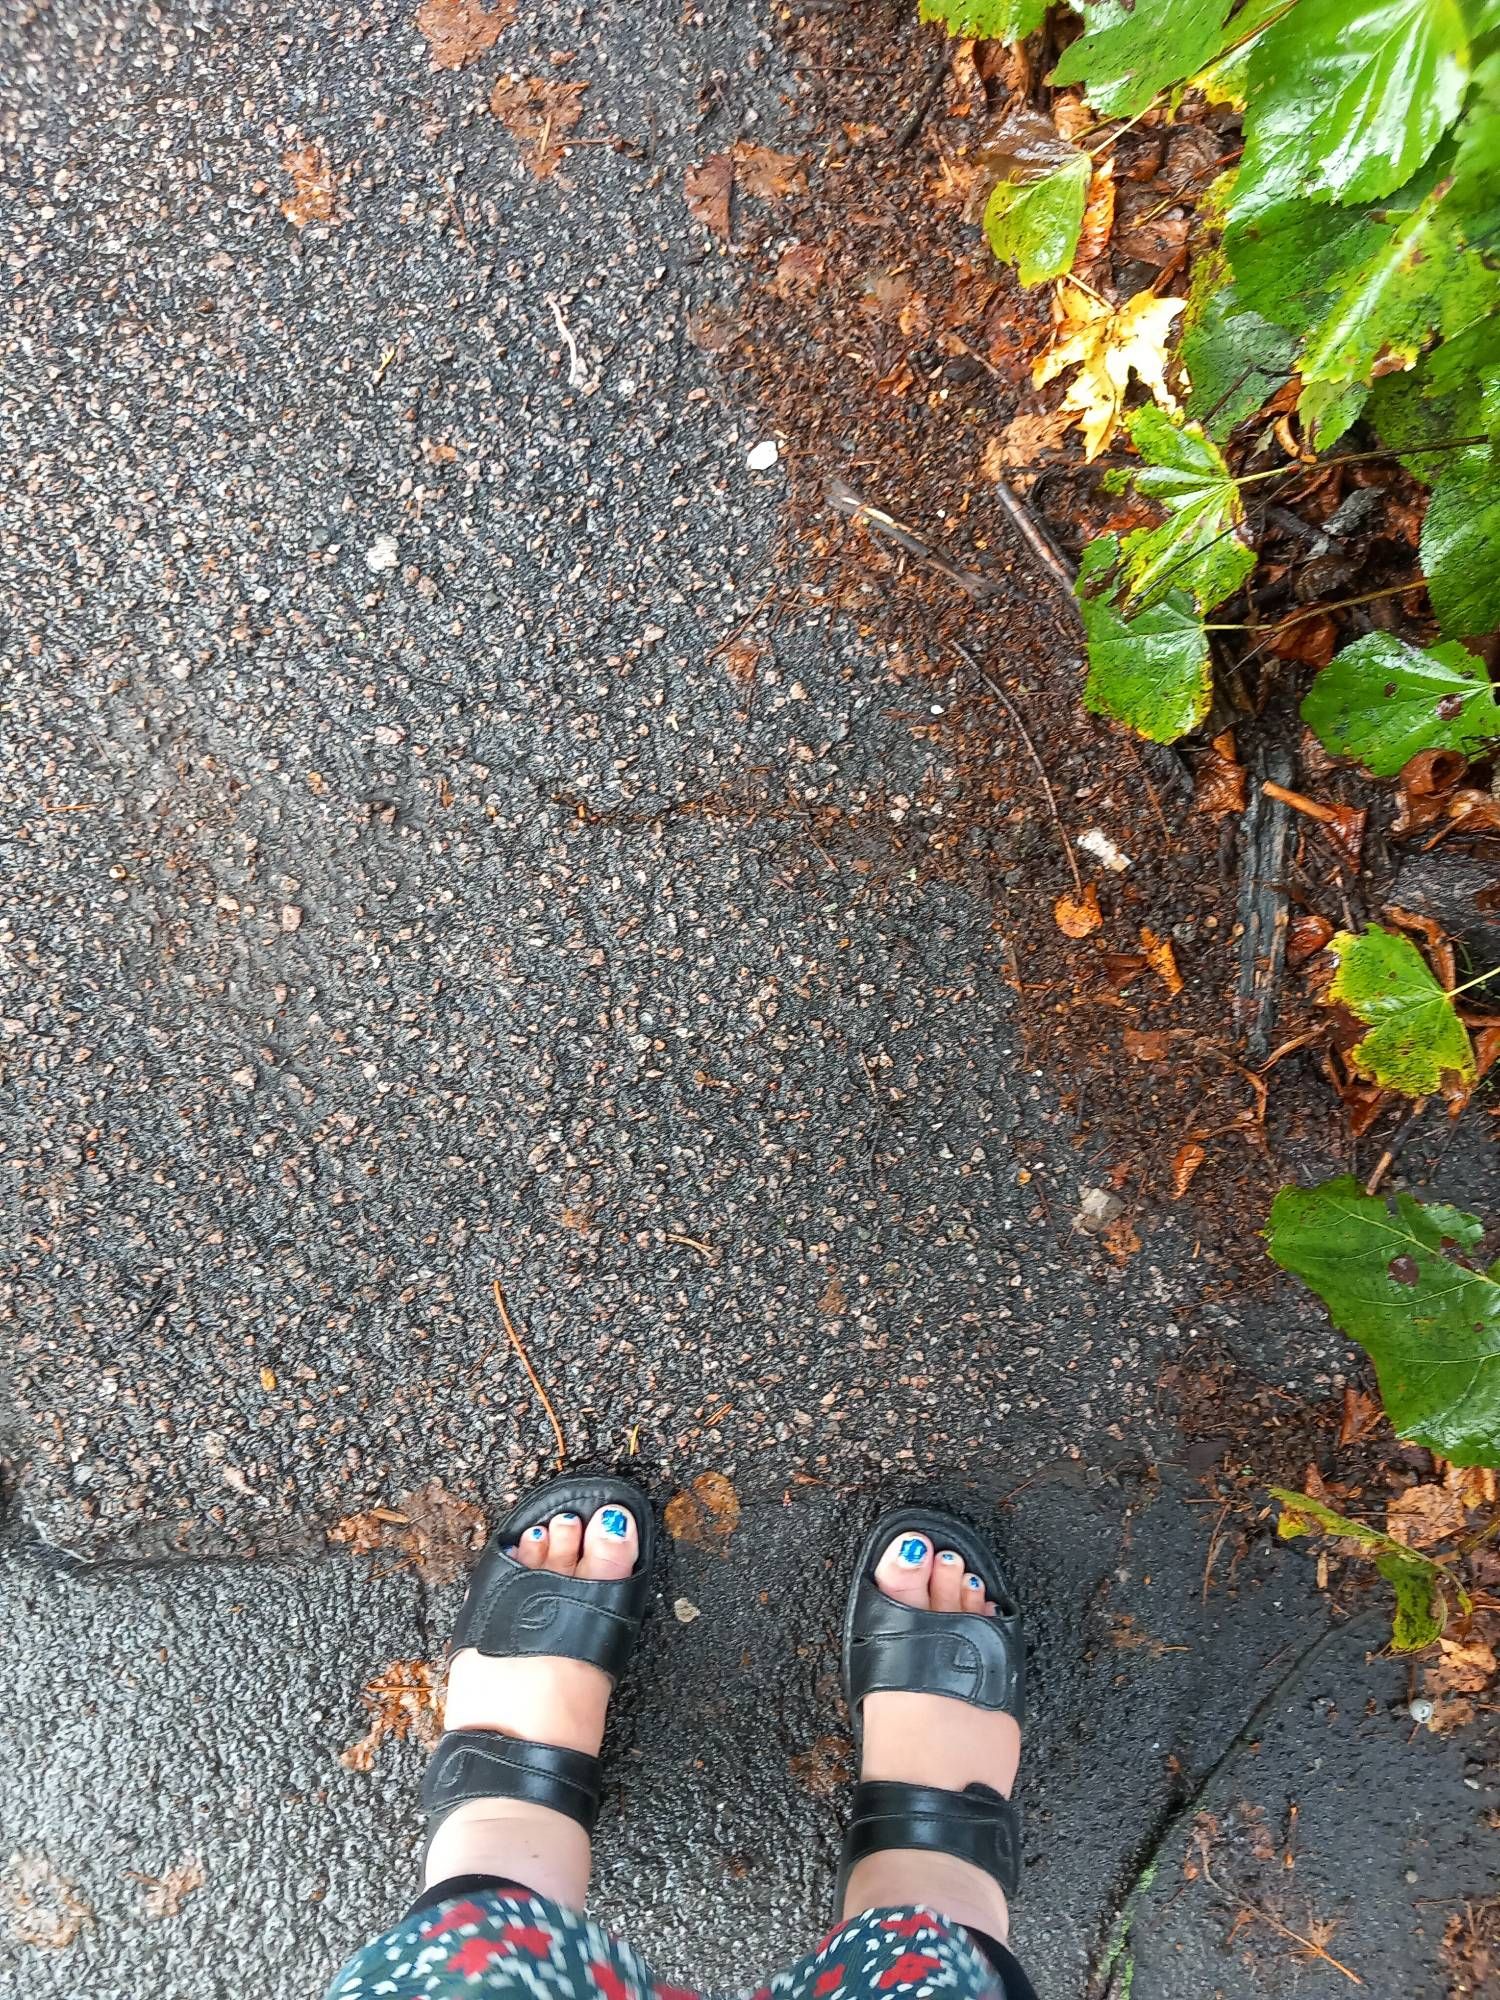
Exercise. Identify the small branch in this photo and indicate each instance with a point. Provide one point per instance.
(1309, 1945)
(1040, 543)
(1354, 458)
(916, 118)
(536, 1380)
(1041, 770)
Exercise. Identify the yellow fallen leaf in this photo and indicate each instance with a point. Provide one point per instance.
(1162, 961)
(1107, 345)
(1077, 916)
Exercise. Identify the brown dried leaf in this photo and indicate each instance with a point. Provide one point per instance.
(706, 189)
(456, 31)
(1024, 439)
(164, 1895)
(1120, 1239)
(40, 1908)
(1311, 640)
(538, 114)
(1098, 217)
(826, 1767)
(705, 1514)
(313, 185)
(831, 1300)
(1305, 938)
(1185, 1163)
(765, 174)
(742, 657)
(1078, 916)
(1360, 1416)
(1071, 115)
(1219, 783)
(1424, 788)
(431, 1529)
(1423, 1516)
(403, 1703)
(1162, 960)
(798, 269)
(1147, 1044)
(1475, 811)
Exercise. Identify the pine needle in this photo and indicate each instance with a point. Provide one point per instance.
(536, 1381)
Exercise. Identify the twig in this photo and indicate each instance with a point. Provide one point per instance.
(1041, 770)
(1040, 544)
(1313, 1949)
(844, 500)
(536, 1381)
(1398, 1140)
(916, 118)
(578, 375)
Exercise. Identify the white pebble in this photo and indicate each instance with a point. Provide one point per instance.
(383, 553)
(761, 457)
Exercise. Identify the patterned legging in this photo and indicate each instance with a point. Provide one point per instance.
(502, 1943)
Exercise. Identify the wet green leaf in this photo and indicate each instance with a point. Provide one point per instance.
(1441, 399)
(1199, 548)
(1461, 544)
(1476, 161)
(1416, 1037)
(1150, 672)
(1234, 358)
(1393, 1282)
(1127, 53)
(1366, 288)
(1327, 409)
(994, 20)
(1034, 224)
(1347, 99)
(1224, 78)
(1421, 1600)
(1383, 701)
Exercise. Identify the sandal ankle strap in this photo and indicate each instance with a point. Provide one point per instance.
(481, 1764)
(977, 1824)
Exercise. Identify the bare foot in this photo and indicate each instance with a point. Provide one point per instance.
(541, 1700)
(931, 1739)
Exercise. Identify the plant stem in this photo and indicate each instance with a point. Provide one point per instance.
(1478, 980)
(1338, 604)
(1354, 458)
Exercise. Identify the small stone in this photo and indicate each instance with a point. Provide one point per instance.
(1419, 1708)
(685, 1611)
(291, 917)
(761, 457)
(244, 1078)
(383, 553)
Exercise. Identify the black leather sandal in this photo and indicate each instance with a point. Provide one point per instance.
(889, 1646)
(509, 1612)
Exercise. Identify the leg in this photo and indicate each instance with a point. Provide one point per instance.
(543, 1700)
(933, 1740)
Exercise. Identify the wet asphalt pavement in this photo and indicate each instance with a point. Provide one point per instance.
(402, 894)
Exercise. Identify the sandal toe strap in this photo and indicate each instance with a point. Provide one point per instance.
(481, 1764)
(977, 1824)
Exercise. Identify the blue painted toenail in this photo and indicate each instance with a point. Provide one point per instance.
(913, 1551)
(947, 1557)
(567, 1517)
(974, 1582)
(537, 1534)
(616, 1522)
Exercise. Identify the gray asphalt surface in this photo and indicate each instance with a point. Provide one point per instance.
(372, 932)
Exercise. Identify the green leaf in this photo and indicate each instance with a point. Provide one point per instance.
(1430, 1324)
(1347, 98)
(1421, 1602)
(1234, 359)
(1383, 701)
(994, 20)
(1476, 182)
(1369, 287)
(1150, 672)
(1441, 399)
(1224, 78)
(1461, 544)
(1198, 548)
(1416, 1037)
(1127, 53)
(1034, 224)
(1327, 409)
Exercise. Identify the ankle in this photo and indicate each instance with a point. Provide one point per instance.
(898, 1877)
(516, 1841)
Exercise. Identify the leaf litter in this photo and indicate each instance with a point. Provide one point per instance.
(431, 1530)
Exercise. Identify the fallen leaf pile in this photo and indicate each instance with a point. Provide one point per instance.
(1107, 345)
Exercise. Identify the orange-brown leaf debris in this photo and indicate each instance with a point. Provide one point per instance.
(432, 1530)
(39, 1906)
(705, 1514)
(403, 1702)
(539, 115)
(1078, 916)
(1162, 960)
(456, 31)
(314, 189)
(706, 189)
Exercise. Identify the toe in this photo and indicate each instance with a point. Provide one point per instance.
(564, 1541)
(947, 1580)
(905, 1570)
(610, 1545)
(531, 1550)
(973, 1593)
